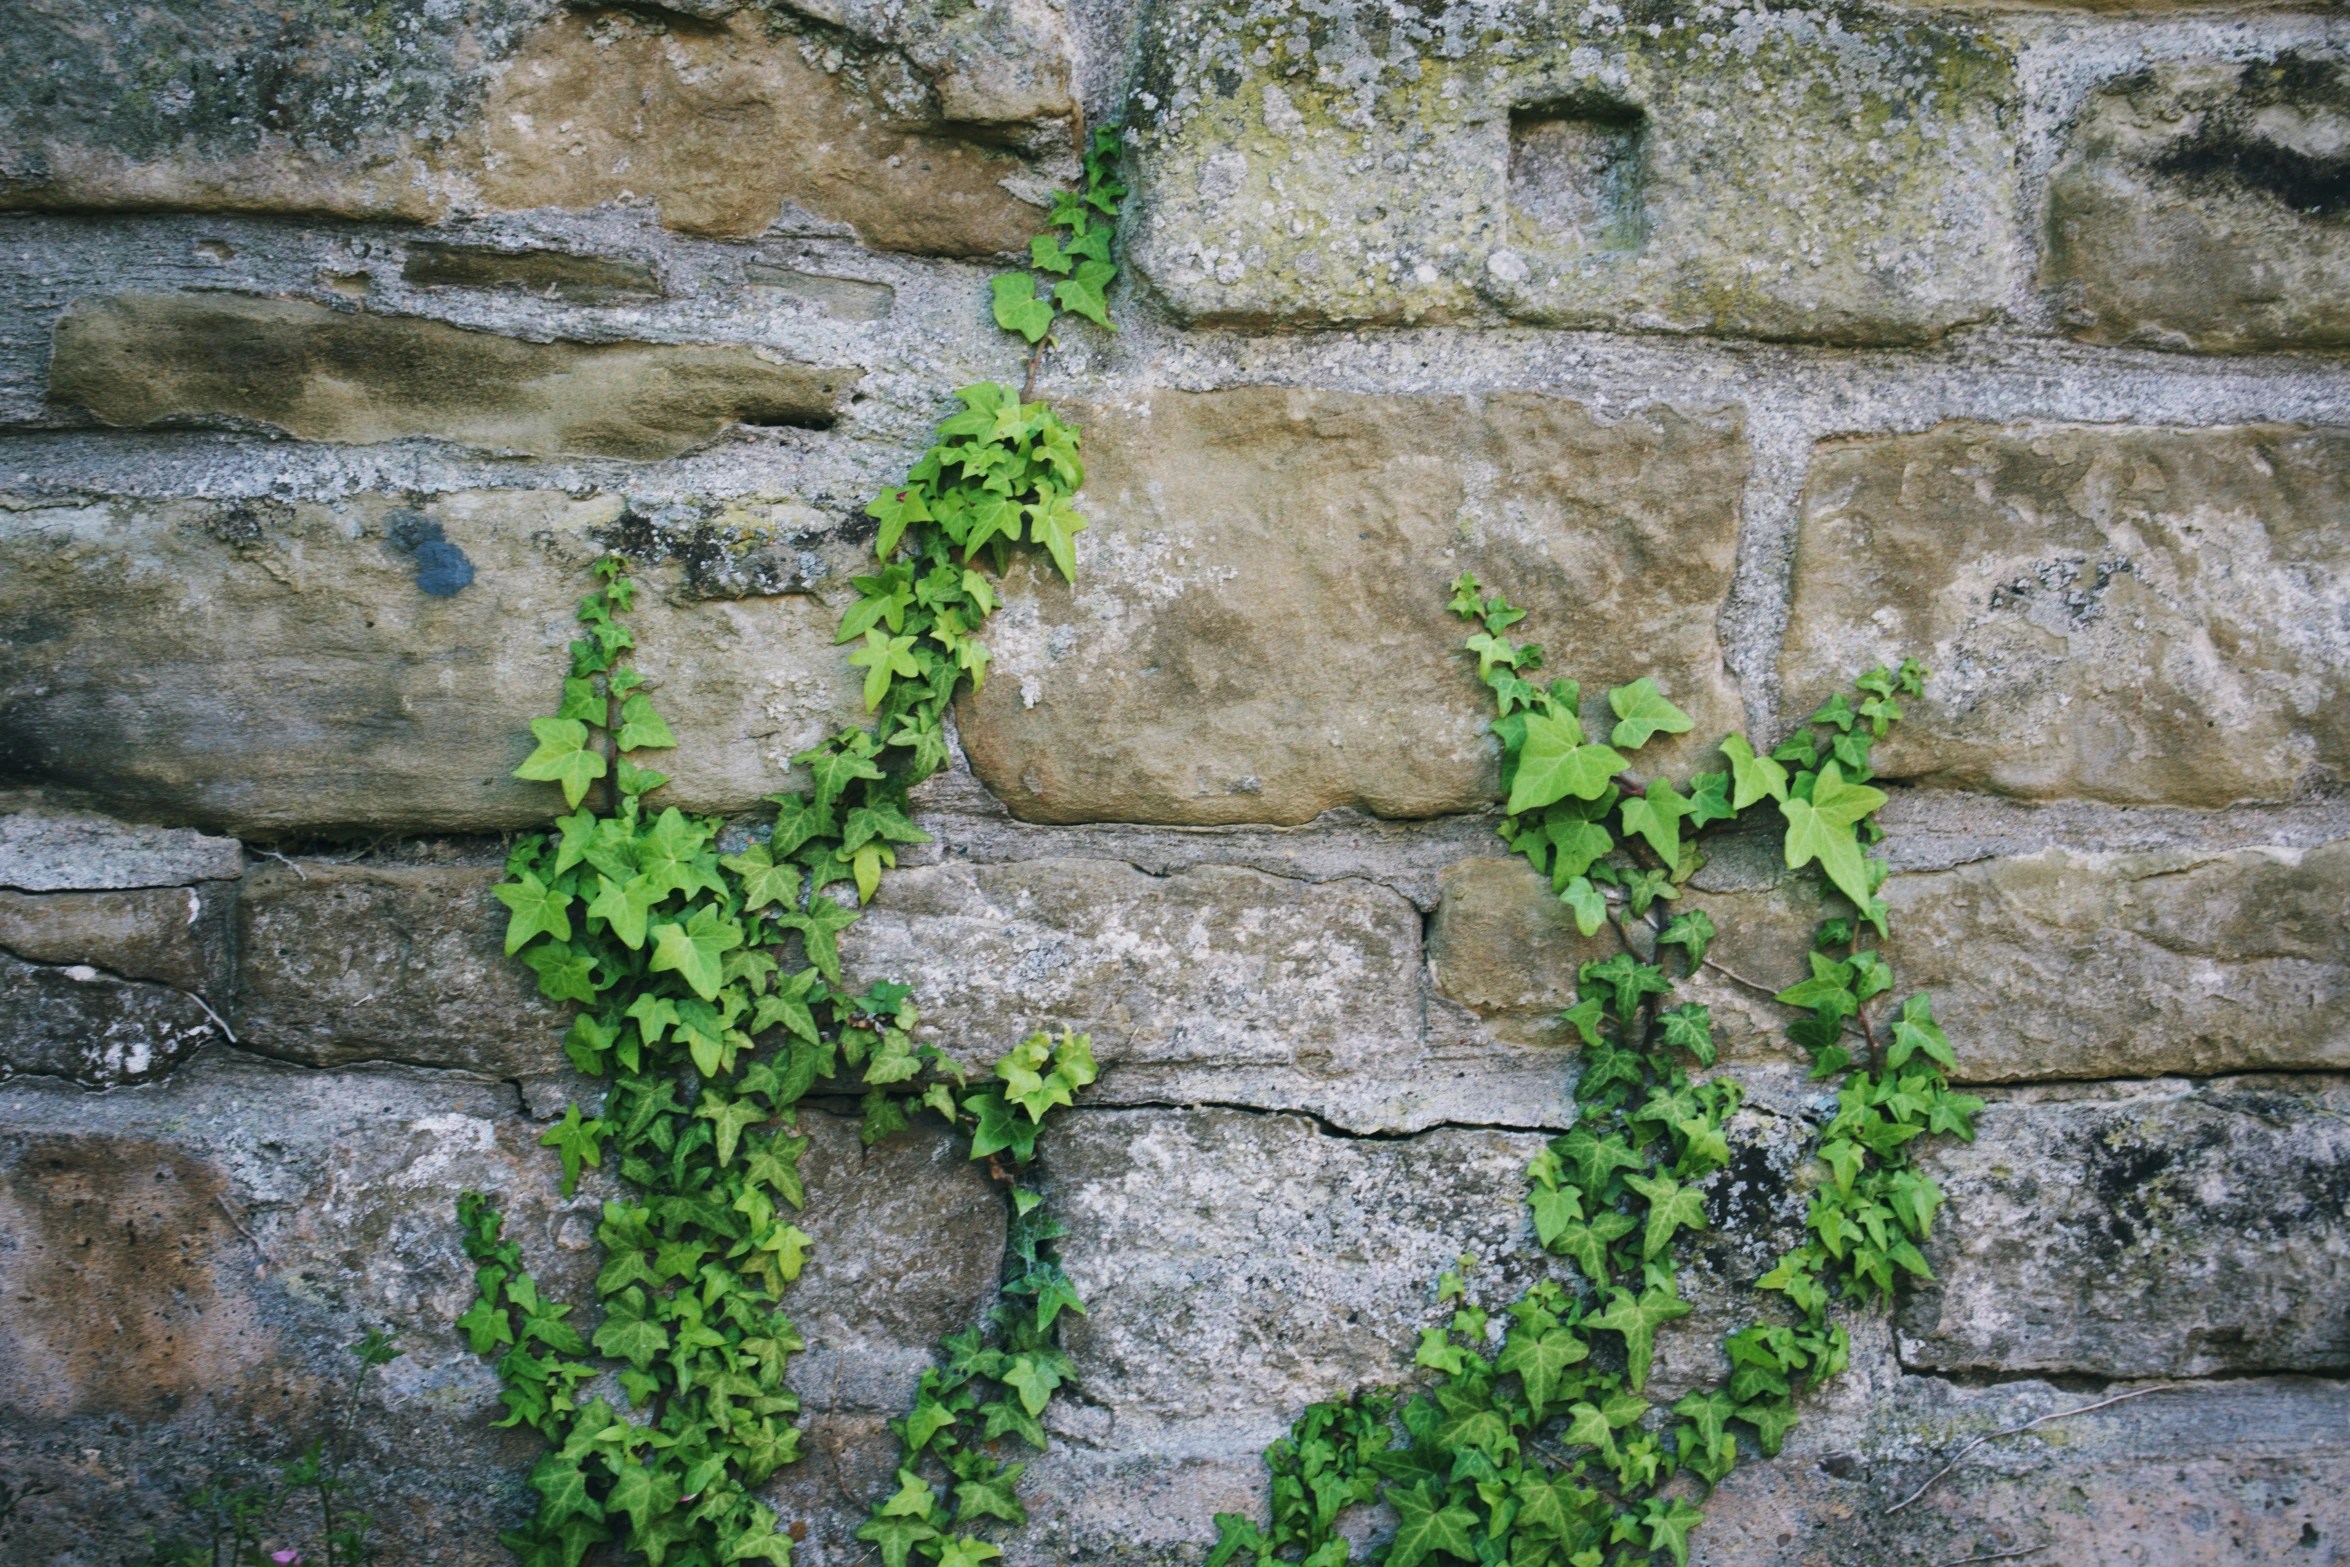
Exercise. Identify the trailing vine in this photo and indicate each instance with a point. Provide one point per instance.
(710, 994)
(1545, 1451)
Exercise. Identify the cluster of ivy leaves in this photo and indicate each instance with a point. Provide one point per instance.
(1545, 1451)
(1075, 250)
(710, 993)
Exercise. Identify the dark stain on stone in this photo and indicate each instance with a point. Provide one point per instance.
(720, 562)
(441, 567)
(114, 1303)
(243, 525)
(2229, 149)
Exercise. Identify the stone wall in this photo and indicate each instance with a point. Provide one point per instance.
(1744, 347)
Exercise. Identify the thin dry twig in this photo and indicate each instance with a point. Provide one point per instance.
(273, 854)
(1732, 974)
(208, 1012)
(2061, 1414)
(1994, 1556)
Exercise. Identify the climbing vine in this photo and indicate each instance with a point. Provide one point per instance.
(711, 995)
(1545, 1451)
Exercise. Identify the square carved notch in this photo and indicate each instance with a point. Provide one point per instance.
(1576, 175)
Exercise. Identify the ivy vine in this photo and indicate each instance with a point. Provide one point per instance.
(710, 994)
(1545, 1451)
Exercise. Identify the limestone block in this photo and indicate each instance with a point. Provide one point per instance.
(2069, 965)
(269, 668)
(43, 849)
(1258, 631)
(2129, 614)
(1237, 1267)
(176, 936)
(2215, 1474)
(1216, 984)
(341, 964)
(187, 1260)
(1630, 168)
(75, 1022)
(2151, 1230)
(333, 375)
(2055, 965)
(2199, 206)
(929, 127)
(724, 125)
(549, 274)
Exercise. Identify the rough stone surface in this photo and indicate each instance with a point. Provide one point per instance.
(726, 124)
(2064, 965)
(330, 375)
(2218, 1473)
(1217, 984)
(2201, 204)
(273, 668)
(1785, 176)
(75, 1022)
(46, 850)
(2142, 616)
(551, 274)
(2049, 965)
(2150, 1230)
(904, 121)
(404, 963)
(185, 1260)
(176, 936)
(1258, 631)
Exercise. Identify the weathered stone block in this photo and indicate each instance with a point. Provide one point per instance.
(1216, 984)
(2200, 205)
(75, 1022)
(928, 127)
(1839, 178)
(2128, 614)
(268, 668)
(727, 124)
(403, 963)
(2055, 965)
(2214, 1474)
(2144, 1231)
(1237, 1267)
(2068, 965)
(332, 375)
(176, 936)
(1258, 632)
(550, 274)
(186, 1261)
(47, 850)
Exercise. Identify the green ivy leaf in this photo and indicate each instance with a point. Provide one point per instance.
(820, 929)
(1085, 294)
(1555, 763)
(1671, 1207)
(1657, 815)
(695, 949)
(1821, 828)
(883, 657)
(536, 909)
(642, 729)
(1637, 1318)
(558, 1479)
(1642, 711)
(1054, 523)
(1588, 902)
(562, 758)
(1915, 1030)
(1541, 1361)
(1017, 309)
(1429, 1526)
(895, 1537)
(625, 908)
(577, 1142)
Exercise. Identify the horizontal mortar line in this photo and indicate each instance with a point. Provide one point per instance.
(1328, 1127)
(2099, 1381)
(2199, 1079)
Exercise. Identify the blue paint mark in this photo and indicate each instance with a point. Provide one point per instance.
(441, 567)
